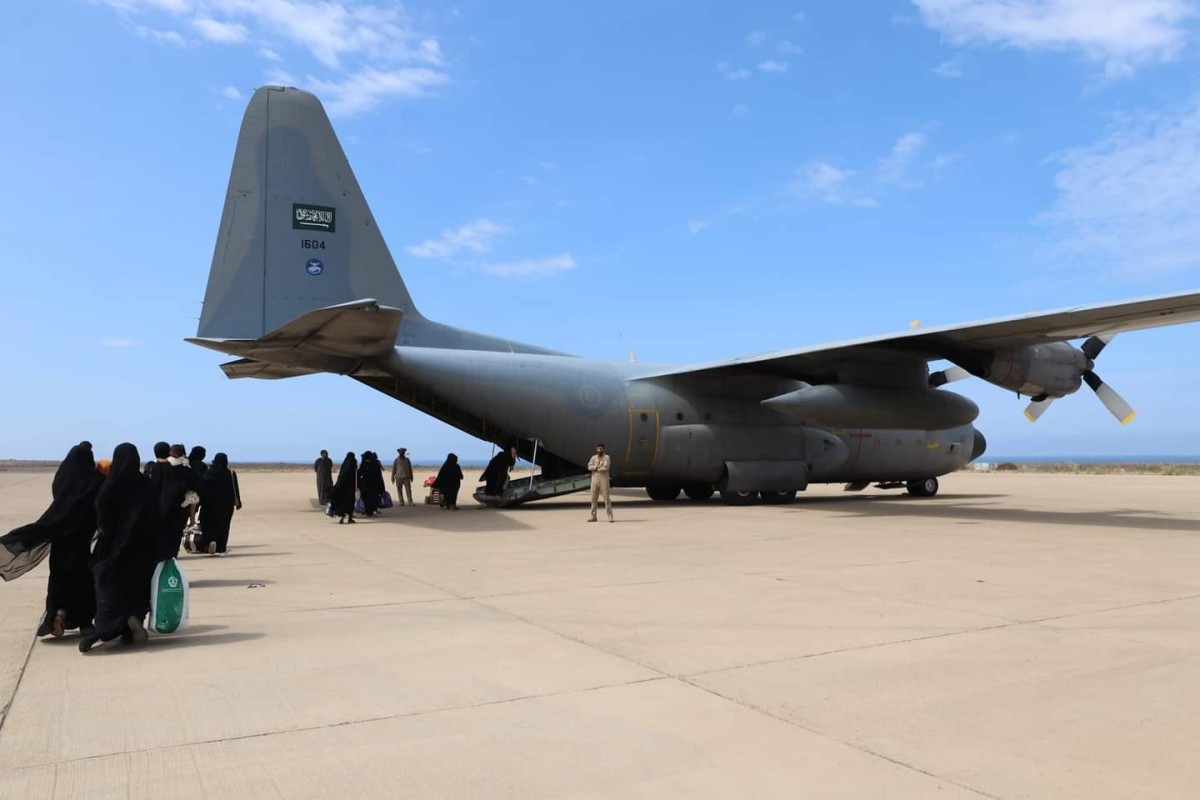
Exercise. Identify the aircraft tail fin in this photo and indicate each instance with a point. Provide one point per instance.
(296, 234)
(345, 339)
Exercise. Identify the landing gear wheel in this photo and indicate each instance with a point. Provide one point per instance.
(779, 498)
(925, 488)
(662, 494)
(739, 498)
(698, 492)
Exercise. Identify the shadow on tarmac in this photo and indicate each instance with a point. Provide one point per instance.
(212, 582)
(192, 636)
(948, 508)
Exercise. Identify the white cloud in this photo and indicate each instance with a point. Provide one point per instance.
(756, 38)
(949, 69)
(532, 268)
(894, 167)
(232, 93)
(824, 181)
(740, 110)
(170, 37)
(697, 226)
(789, 48)
(116, 341)
(363, 90)
(280, 77)
(772, 66)
(1131, 200)
(221, 32)
(732, 74)
(332, 30)
(368, 52)
(799, 17)
(1121, 34)
(476, 236)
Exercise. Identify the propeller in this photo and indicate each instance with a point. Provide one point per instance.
(1115, 404)
(942, 377)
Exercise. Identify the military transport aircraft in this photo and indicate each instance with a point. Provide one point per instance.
(302, 282)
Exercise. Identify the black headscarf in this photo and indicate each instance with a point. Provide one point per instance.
(450, 474)
(126, 551)
(217, 491)
(73, 491)
(123, 477)
(196, 460)
(342, 496)
(348, 473)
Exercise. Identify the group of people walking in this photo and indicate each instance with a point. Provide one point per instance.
(364, 481)
(109, 525)
(361, 481)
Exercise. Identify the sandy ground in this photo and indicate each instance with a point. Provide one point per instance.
(1020, 636)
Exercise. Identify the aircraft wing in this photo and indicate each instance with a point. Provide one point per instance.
(956, 341)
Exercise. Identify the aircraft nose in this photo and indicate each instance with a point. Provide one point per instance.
(980, 446)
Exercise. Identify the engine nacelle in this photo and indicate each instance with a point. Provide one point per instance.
(849, 406)
(1053, 370)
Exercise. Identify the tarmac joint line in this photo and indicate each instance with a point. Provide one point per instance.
(17, 686)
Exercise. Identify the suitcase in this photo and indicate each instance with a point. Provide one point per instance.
(385, 500)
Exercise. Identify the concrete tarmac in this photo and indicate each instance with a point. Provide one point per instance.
(1019, 636)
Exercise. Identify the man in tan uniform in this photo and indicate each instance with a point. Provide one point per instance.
(402, 476)
(598, 465)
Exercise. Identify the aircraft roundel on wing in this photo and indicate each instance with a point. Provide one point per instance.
(302, 282)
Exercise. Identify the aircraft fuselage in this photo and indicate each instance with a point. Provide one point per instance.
(669, 431)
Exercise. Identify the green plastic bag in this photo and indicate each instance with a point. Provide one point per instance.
(168, 598)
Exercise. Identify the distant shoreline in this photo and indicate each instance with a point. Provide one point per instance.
(1083, 465)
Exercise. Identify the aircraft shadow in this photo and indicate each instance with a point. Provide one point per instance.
(946, 508)
(469, 518)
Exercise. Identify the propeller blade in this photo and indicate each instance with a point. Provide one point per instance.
(1115, 404)
(1034, 411)
(942, 377)
(1092, 347)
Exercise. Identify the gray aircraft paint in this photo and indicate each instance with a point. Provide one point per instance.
(302, 282)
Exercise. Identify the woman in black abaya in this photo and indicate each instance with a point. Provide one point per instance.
(219, 497)
(128, 521)
(66, 529)
(370, 483)
(448, 481)
(342, 497)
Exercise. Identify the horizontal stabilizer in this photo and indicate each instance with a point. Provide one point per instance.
(249, 368)
(334, 339)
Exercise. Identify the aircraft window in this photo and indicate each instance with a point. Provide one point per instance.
(645, 417)
(679, 416)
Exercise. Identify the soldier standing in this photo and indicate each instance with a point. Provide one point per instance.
(598, 465)
(402, 476)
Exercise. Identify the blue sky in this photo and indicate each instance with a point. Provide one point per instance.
(689, 180)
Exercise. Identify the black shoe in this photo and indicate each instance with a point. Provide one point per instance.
(137, 631)
(86, 642)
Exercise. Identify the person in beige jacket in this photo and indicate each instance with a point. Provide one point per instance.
(598, 465)
(402, 476)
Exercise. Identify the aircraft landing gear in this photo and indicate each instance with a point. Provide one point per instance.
(925, 488)
(739, 498)
(661, 493)
(778, 498)
(698, 492)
